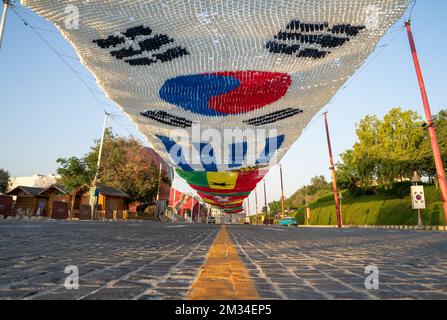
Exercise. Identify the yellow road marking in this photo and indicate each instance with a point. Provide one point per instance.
(223, 276)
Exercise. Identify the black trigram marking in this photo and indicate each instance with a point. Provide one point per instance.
(166, 118)
(311, 40)
(219, 184)
(146, 43)
(274, 117)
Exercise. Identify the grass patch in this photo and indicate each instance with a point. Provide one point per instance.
(393, 208)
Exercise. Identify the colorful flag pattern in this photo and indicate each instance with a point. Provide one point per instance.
(250, 65)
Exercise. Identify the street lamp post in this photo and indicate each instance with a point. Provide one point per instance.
(97, 177)
(431, 128)
(334, 179)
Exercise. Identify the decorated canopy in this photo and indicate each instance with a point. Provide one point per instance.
(221, 88)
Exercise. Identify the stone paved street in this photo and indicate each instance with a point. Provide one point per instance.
(149, 260)
(330, 264)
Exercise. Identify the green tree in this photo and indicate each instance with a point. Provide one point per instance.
(348, 177)
(427, 164)
(4, 180)
(386, 150)
(275, 208)
(400, 137)
(74, 176)
(128, 167)
(305, 194)
(125, 165)
(365, 151)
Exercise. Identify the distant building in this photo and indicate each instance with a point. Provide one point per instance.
(36, 181)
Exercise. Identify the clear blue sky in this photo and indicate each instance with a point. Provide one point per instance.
(47, 113)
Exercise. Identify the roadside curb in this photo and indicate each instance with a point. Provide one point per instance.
(397, 227)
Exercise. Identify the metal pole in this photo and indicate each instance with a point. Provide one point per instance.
(6, 4)
(246, 212)
(431, 129)
(420, 224)
(334, 179)
(192, 207)
(173, 204)
(265, 204)
(100, 147)
(97, 177)
(282, 191)
(159, 181)
(256, 200)
(249, 213)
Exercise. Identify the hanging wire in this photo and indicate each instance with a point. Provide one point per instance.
(114, 117)
(48, 26)
(410, 15)
(61, 57)
(382, 48)
(398, 30)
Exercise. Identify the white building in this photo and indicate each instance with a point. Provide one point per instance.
(36, 180)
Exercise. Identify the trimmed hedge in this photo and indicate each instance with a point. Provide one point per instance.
(393, 208)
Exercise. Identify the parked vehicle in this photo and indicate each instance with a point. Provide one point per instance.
(287, 222)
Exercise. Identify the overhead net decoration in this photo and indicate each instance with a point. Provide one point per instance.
(222, 88)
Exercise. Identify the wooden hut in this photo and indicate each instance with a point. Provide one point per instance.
(109, 200)
(29, 202)
(59, 201)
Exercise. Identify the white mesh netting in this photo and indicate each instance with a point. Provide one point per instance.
(246, 64)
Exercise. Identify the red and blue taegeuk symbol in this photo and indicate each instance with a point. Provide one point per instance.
(226, 93)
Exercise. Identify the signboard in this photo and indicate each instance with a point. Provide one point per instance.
(418, 197)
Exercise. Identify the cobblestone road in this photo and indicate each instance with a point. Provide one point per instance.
(330, 264)
(149, 260)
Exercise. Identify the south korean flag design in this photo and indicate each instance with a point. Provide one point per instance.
(241, 64)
